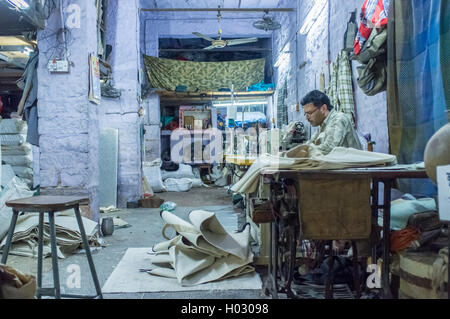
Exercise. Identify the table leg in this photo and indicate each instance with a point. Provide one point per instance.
(8, 244)
(386, 239)
(270, 284)
(40, 253)
(51, 217)
(330, 278)
(375, 205)
(274, 258)
(88, 252)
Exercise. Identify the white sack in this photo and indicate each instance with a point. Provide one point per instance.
(152, 173)
(185, 171)
(13, 126)
(178, 185)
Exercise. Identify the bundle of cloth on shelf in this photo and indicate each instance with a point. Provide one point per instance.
(15, 149)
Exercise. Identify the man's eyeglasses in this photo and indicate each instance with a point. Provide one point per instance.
(308, 114)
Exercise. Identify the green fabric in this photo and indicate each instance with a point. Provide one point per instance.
(203, 76)
(402, 210)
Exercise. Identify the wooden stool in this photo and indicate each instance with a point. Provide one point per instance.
(51, 205)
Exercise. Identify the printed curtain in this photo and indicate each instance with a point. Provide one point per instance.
(203, 76)
(418, 84)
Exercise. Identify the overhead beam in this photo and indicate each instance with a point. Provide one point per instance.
(221, 10)
(217, 50)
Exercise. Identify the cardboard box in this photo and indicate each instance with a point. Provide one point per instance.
(189, 122)
(152, 202)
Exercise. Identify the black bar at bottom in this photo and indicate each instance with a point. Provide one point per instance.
(50, 292)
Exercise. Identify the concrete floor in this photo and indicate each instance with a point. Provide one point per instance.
(145, 231)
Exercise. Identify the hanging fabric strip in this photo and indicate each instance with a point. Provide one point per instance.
(416, 89)
(340, 90)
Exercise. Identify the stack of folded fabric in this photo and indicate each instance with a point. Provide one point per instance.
(15, 150)
(68, 236)
(12, 188)
(203, 251)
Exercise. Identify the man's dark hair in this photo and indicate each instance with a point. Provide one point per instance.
(317, 98)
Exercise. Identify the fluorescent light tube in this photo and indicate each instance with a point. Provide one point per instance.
(240, 104)
(21, 4)
(312, 16)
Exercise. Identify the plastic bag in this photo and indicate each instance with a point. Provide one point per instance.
(152, 173)
(168, 206)
(178, 185)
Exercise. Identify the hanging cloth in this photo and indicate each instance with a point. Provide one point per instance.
(28, 103)
(417, 88)
(340, 90)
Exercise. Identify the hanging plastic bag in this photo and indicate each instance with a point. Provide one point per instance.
(168, 206)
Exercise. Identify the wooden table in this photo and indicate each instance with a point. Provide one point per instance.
(240, 160)
(385, 175)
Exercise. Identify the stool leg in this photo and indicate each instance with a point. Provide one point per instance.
(88, 252)
(10, 236)
(51, 218)
(40, 253)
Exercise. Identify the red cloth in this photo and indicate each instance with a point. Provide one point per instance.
(374, 14)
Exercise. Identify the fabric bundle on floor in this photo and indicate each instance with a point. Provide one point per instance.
(203, 251)
(306, 157)
(68, 236)
(16, 285)
(12, 188)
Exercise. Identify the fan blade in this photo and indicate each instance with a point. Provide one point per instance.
(202, 36)
(241, 41)
(210, 47)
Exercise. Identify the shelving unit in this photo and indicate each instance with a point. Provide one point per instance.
(184, 98)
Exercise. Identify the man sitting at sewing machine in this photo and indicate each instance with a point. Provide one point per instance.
(335, 128)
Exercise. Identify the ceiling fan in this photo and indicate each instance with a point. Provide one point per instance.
(219, 43)
(267, 23)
